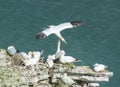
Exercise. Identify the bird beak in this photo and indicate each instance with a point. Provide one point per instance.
(65, 42)
(61, 37)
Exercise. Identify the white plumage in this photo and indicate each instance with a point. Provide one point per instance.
(57, 29)
(58, 52)
(66, 59)
(24, 54)
(99, 67)
(49, 61)
(34, 59)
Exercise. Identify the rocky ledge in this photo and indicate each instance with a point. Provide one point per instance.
(12, 73)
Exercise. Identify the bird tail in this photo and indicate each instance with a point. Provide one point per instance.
(78, 61)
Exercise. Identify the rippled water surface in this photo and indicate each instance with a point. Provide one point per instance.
(97, 41)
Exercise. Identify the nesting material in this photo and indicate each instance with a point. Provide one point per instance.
(17, 59)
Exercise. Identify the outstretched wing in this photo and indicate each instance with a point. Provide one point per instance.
(64, 26)
(40, 35)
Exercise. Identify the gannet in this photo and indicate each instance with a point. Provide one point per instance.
(24, 54)
(66, 59)
(58, 52)
(27, 55)
(54, 57)
(56, 29)
(11, 50)
(35, 58)
(67, 80)
(99, 67)
(50, 61)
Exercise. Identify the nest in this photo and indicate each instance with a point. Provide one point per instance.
(17, 59)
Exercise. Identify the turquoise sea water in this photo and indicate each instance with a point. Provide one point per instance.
(97, 41)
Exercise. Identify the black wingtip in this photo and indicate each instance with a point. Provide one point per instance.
(40, 35)
(76, 23)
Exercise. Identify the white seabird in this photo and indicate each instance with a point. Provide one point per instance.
(66, 59)
(58, 52)
(67, 80)
(34, 60)
(50, 61)
(11, 50)
(99, 67)
(28, 55)
(52, 58)
(57, 29)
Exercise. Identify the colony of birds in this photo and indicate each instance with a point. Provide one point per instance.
(30, 69)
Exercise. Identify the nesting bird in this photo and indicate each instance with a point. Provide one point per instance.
(50, 61)
(35, 57)
(60, 54)
(56, 29)
(52, 58)
(99, 67)
(28, 55)
(66, 59)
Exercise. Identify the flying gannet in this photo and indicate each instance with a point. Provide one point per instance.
(56, 29)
